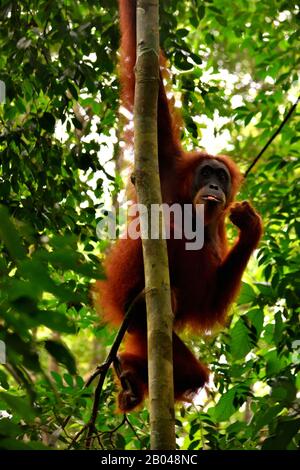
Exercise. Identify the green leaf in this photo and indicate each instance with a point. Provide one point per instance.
(37, 274)
(247, 294)
(284, 390)
(3, 380)
(220, 19)
(248, 118)
(69, 380)
(61, 354)
(256, 317)
(73, 90)
(4, 189)
(274, 364)
(297, 227)
(182, 32)
(77, 124)
(57, 378)
(69, 259)
(194, 445)
(240, 343)
(196, 58)
(266, 290)
(55, 321)
(285, 431)
(10, 236)
(120, 441)
(20, 105)
(79, 381)
(278, 328)
(181, 61)
(201, 11)
(18, 406)
(225, 408)
(8, 428)
(47, 122)
(266, 416)
(13, 444)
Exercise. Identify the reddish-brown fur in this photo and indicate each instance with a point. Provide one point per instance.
(203, 282)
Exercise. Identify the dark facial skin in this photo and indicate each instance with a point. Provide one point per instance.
(212, 182)
(211, 187)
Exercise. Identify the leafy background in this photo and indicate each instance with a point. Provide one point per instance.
(235, 68)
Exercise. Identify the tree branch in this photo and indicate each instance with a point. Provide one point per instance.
(102, 371)
(272, 137)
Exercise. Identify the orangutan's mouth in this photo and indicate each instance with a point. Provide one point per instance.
(210, 197)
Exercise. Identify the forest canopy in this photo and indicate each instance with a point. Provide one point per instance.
(234, 72)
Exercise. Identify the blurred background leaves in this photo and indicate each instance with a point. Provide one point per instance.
(235, 68)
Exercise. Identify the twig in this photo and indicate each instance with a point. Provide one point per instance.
(132, 428)
(77, 435)
(112, 431)
(103, 369)
(201, 426)
(272, 137)
(99, 442)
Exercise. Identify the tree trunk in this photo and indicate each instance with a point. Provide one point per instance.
(157, 283)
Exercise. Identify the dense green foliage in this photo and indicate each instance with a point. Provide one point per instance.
(58, 62)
